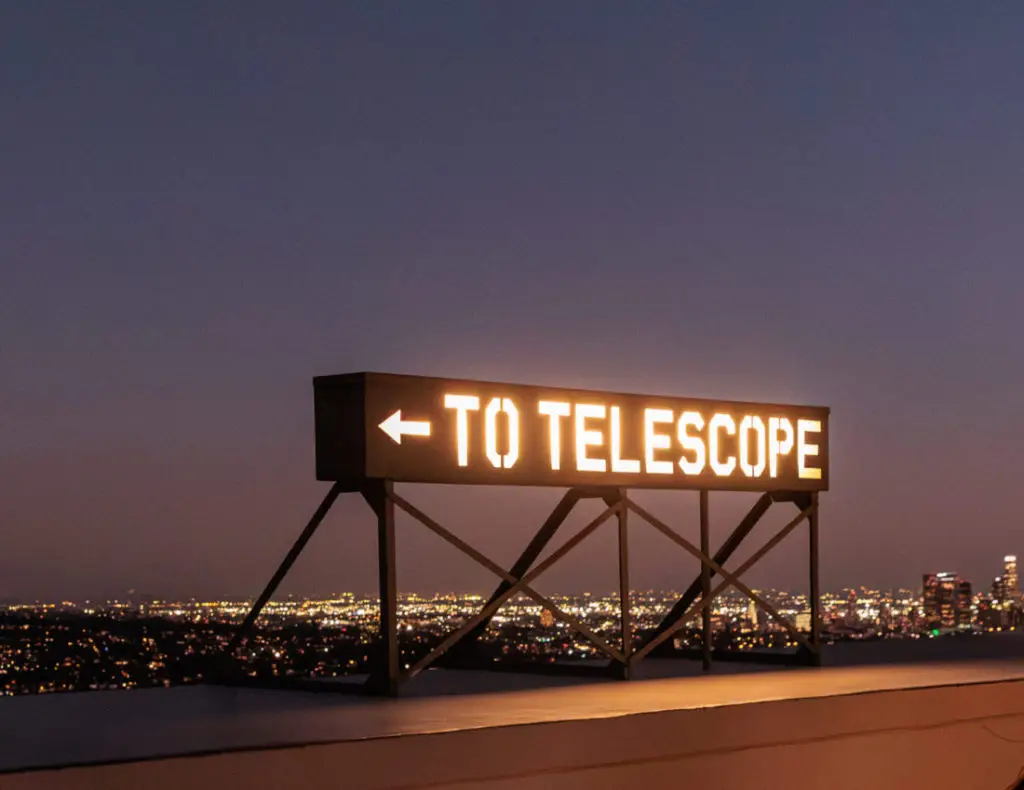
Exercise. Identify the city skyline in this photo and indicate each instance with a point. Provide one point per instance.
(1003, 585)
(67, 647)
(204, 208)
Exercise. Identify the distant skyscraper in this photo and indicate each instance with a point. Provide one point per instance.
(990, 616)
(964, 614)
(885, 616)
(998, 591)
(1010, 577)
(943, 600)
(930, 600)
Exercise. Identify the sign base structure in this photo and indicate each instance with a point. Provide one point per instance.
(374, 430)
(457, 650)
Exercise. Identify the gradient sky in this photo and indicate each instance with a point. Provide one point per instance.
(204, 205)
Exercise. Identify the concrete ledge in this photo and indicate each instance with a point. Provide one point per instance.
(961, 733)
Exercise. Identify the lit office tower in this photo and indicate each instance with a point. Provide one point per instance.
(885, 616)
(941, 599)
(1010, 577)
(964, 615)
(999, 591)
(930, 599)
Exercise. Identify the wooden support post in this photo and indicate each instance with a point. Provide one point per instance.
(705, 582)
(384, 675)
(624, 597)
(815, 592)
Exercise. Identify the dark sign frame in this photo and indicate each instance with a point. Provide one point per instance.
(419, 429)
(358, 415)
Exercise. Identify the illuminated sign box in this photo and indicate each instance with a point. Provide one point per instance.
(416, 429)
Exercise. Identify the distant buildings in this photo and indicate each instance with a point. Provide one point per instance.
(946, 602)
(998, 590)
(1011, 585)
(885, 620)
(121, 644)
(1002, 608)
(1006, 588)
(964, 613)
(851, 608)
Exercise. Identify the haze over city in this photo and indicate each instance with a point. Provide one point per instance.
(202, 210)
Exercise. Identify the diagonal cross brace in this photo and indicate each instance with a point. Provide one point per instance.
(730, 578)
(723, 554)
(515, 585)
(530, 554)
(284, 567)
(679, 622)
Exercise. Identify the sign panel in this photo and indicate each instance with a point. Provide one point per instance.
(428, 430)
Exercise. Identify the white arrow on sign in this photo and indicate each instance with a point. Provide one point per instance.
(395, 427)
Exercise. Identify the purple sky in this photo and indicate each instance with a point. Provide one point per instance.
(202, 206)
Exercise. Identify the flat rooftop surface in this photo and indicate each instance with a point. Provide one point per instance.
(57, 730)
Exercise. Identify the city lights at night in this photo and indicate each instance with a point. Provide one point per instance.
(522, 395)
(138, 643)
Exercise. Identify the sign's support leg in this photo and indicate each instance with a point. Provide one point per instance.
(815, 591)
(384, 676)
(721, 556)
(705, 582)
(530, 554)
(286, 564)
(624, 594)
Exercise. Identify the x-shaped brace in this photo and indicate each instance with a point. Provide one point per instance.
(729, 579)
(517, 585)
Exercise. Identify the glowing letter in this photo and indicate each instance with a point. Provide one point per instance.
(463, 404)
(748, 424)
(656, 441)
(718, 423)
(585, 438)
(693, 444)
(803, 449)
(628, 465)
(555, 409)
(491, 432)
(777, 447)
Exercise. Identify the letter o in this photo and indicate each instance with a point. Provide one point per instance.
(508, 408)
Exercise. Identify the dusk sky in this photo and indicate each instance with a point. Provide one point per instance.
(203, 205)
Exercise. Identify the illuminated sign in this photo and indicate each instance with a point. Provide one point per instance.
(429, 430)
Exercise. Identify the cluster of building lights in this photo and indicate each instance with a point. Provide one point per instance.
(124, 644)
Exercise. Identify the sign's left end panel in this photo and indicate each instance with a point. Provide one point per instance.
(339, 405)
